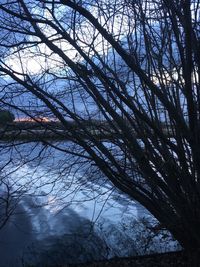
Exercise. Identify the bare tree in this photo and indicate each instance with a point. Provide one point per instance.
(127, 68)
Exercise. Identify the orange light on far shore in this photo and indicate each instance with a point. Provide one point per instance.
(42, 119)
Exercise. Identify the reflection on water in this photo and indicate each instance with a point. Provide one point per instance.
(74, 241)
(63, 211)
(15, 237)
(41, 237)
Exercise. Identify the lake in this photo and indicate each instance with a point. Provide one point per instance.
(63, 210)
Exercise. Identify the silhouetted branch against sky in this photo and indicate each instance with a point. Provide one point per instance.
(133, 65)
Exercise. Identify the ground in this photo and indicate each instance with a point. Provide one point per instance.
(175, 259)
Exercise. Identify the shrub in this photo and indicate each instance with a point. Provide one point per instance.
(6, 117)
